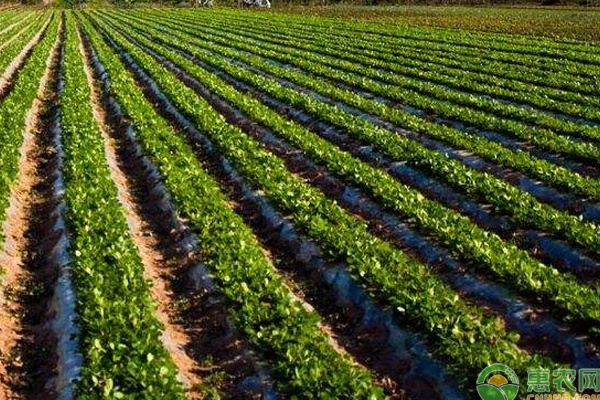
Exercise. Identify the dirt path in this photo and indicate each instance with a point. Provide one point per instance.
(27, 356)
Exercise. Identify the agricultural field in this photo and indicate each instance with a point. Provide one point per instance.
(559, 22)
(224, 203)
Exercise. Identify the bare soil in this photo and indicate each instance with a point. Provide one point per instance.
(27, 357)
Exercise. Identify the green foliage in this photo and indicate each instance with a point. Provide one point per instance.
(445, 72)
(464, 238)
(120, 334)
(401, 282)
(303, 363)
(14, 107)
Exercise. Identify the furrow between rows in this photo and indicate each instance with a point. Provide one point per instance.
(490, 296)
(530, 105)
(200, 337)
(479, 71)
(318, 156)
(293, 204)
(428, 135)
(15, 36)
(41, 358)
(329, 371)
(11, 71)
(487, 115)
(533, 51)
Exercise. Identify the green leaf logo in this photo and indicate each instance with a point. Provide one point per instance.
(497, 382)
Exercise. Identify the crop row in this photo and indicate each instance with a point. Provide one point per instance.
(419, 93)
(400, 118)
(437, 54)
(13, 109)
(120, 334)
(405, 284)
(540, 169)
(302, 140)
(391, 144)
(7, 18)
(13, 29)
(408, 57)
(214, 88)
(10, 52)
(454, 80)
(513, 64)
(327, 131)
(281, 331)
(250, 77)
(536, 51)
(143, 73)
(323, 129)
